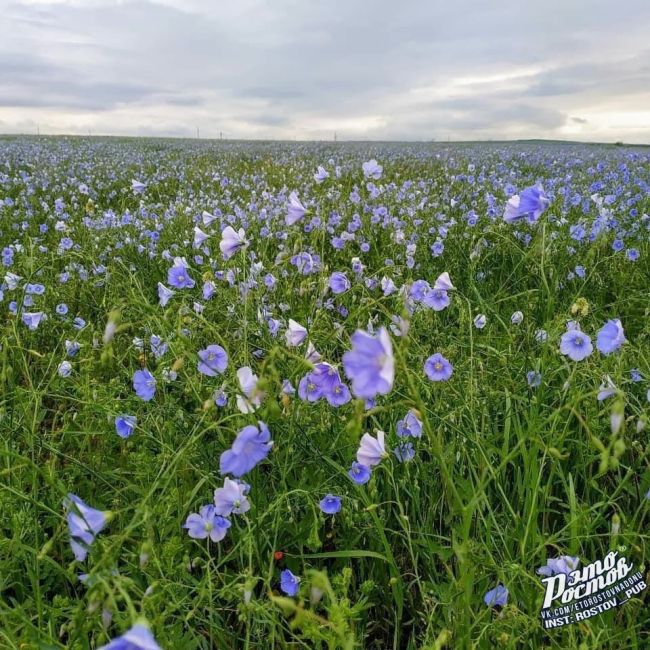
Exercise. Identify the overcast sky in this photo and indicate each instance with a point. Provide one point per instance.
(371, 69)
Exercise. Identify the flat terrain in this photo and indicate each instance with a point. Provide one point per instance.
(161, 296)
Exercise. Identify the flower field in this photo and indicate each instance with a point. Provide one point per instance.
(328, 395)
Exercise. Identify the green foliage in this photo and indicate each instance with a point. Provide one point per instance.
(504, 476)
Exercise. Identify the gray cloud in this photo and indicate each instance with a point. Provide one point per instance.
(365, 69)
(629, 76)
(269, 93)
(270, 119)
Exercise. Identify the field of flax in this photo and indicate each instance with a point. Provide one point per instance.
(284, 395)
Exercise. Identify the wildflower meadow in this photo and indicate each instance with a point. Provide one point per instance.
(323, 395)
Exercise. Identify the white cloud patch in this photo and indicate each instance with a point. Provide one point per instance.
(294, 69)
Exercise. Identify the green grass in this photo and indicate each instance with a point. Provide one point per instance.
(504, 476)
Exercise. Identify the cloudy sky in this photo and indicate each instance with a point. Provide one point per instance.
(303, 69)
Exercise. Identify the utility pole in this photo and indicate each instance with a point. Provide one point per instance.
(197, 133)
(334, 136)
(220, 135)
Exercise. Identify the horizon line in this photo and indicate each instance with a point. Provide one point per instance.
(329, 141)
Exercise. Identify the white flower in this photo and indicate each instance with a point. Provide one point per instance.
(516, 318)
(64, 369)
(12, 280)
(371, 450)
(207, 218)
(443, 283)
(252, 398)
(232, 241)
(199, 237)
(295, 333)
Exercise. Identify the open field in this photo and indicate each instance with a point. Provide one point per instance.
(169, 309)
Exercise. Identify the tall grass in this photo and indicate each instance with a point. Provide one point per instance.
(504, 476)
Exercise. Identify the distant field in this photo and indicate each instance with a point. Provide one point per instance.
(407, 403)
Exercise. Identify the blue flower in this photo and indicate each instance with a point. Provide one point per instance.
(164, 294)
(437, 248)
(330, 504)
(35, 289)
(635, 375)
(497, 597)
(324, 381)
(404, 452)
(564, 564)
(338, 394)
(388, 286)
(610, 337)
(309, 389)
(124, 425)
(84, 524)
(231, 498)
(372, 169)
(410, 425)
(137, 638)
(359, 473)
(220, 397)
(212, 360)
(339, 282)
(178, 276)
(437, 368)
(418, 290)
(370, 364)
(576, 345)
(207, 523)
(208, 289)
(437, 299)
(33, 319)
(158, 346)
(480, 321)
(251, 446)
(530, 203)
(534, 378)
(295, 210)
(289, 583)
(144, 384)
